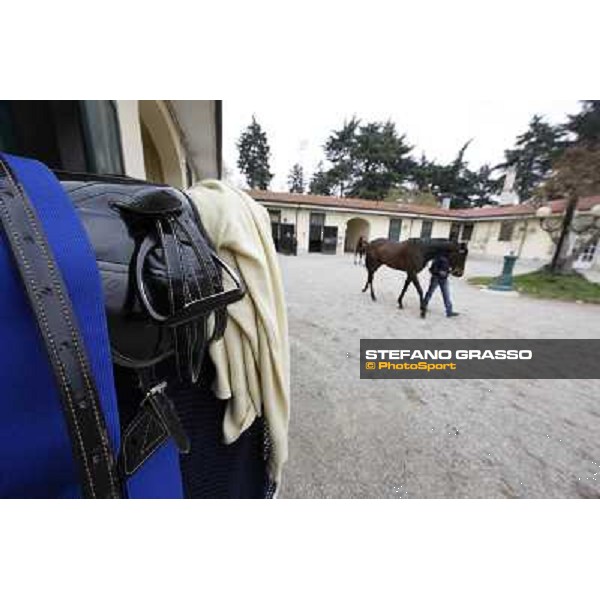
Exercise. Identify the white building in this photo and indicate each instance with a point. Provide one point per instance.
(333, 225)
(179, 142)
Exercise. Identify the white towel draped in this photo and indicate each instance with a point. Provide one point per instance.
(252, 359)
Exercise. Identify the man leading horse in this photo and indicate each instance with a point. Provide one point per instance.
(411, 256)
(440, 270)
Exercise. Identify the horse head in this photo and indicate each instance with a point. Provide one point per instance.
(458, 258)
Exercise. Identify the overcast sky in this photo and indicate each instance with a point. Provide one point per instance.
(297, 127)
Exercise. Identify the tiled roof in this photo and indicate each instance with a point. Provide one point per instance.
(352, 203)
(485, 212)
(526, 208)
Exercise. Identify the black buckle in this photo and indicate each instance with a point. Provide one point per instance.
(155, 422)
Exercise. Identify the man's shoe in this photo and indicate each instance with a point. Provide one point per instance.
(452, 314)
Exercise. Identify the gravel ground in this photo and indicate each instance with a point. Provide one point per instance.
(353, 438)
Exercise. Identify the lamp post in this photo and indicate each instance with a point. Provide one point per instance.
(566, 226)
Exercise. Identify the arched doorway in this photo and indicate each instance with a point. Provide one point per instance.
(163, 158)
(354, 229)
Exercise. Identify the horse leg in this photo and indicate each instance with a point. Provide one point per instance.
(369, 262)
(369, 276)
(415, 280)
(372, 268)
(371, 282)
(406, 284)
(372, 265)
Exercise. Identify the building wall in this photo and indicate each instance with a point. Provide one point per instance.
(356, 228)
(379, 225)
(441, 229)
(300, 217)
(528, 240)
(302, 226)
(596, 263)
(489, 242)
(155, 118)
(537, 243)
(162, 156)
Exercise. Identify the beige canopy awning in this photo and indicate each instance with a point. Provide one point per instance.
(199, 122)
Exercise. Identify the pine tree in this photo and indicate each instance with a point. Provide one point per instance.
(340, 152)
(586, 124)
(381, 159)
(482, 186)
(321, 183)
(296, 183)
(575, 174)
(455, 180)
(254, 154)
(366, 160)
(533, 155)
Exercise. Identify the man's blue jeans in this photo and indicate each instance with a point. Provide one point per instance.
(443, 283)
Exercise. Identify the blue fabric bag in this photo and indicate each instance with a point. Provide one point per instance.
(43, 453)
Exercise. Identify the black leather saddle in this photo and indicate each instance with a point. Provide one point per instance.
(161, 277)
(164, 294)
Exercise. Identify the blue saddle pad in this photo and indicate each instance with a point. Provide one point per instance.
(36, 459)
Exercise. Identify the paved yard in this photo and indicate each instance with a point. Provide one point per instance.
(353, 438)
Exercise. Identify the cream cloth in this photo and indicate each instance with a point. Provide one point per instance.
(252, 360)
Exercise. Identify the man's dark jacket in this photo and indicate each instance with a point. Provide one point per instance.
(440, 266)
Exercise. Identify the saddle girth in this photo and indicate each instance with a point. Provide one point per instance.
(49, 300)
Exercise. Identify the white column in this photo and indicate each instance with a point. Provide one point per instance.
(131, 138)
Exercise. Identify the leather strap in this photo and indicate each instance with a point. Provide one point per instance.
(212, 265)
(49, 300)
(178, 295)
(194, 279)
(155, 422)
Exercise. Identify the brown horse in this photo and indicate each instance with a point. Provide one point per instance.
(411, 256)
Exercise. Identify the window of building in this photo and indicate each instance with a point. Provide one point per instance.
(467, 232)
(506, 231)
(315, 232)
(7, 133)
(70, 135)
(454, 231)
(395, 228)
(275, 215)
(48, 130)
(317, 218)
(588, 252)
(102, 136)
(426, 228)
